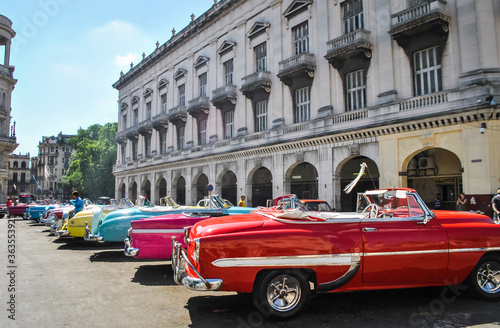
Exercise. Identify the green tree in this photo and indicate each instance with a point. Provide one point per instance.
(90, 169)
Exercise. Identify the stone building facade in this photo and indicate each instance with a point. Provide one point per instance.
(50, 165)
(269, 97)
(20, 178)
(7, 82)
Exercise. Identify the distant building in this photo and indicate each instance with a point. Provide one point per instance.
(7, 133)
(52, 162)
(20, 180)
(267, 97)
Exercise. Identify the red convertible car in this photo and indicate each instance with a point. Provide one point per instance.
(395, 241)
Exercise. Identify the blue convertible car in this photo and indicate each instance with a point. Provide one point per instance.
(114, 226)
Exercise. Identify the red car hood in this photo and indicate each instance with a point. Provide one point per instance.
(450, 217)
(227, 224)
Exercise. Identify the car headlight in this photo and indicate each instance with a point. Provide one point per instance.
(196, 252)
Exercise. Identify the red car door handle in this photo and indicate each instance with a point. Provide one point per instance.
(369, 229)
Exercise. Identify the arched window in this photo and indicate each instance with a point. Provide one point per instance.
(23, 164)
(16, 164)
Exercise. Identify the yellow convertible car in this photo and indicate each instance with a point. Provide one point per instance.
(75, 226)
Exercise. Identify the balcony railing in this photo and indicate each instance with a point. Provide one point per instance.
(303, 59)
(119, 137)
(225, 94)
(7, 70)
(160, 121)
(199, 105)
(349, 39)
(131, 132)
(145, 127)
(296, 66)
(255, 82)
(348, 46)
(354, 115)
(424, 101)
(176, 114)
(5, 21)
(417, 12)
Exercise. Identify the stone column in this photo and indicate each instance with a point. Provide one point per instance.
(7, 53)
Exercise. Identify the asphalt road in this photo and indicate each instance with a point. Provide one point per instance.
(53, 283)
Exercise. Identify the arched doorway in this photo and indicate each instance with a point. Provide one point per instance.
(304, 181)
(262, 187)
(201, 187)
(122, 191)
(162, 189)
(349, 172)
(132, 191)
(228, 187)
(146, 189)
(436, 172)
(180, 190)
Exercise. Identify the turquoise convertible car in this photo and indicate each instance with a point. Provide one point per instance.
(114, 226)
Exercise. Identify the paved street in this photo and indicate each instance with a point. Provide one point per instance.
(69, 284)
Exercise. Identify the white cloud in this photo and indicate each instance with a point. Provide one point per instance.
(125, 60)
(116, 28)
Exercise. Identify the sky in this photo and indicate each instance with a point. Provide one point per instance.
(68, 53)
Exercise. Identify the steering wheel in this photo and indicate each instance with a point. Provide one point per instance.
(371, 211)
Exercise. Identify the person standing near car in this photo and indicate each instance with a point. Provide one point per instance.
(461, 201)
(9, 201)
(241, 203)
(495, 205)
(78, 204)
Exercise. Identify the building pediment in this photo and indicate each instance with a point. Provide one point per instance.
(225, 47)
(181, 72)
(148, 92)
(162, 84)
(296, 7)
(257, 29)
(202, 60)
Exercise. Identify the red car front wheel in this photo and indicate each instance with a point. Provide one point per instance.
(282, 294)
(484, 279)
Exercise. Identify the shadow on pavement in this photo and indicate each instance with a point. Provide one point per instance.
(419, 307)
(76, 244)
(110, 256)
(154, 275)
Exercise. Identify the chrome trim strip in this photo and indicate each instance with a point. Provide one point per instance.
(76, 226)
(181, 231)
(408, 219)
(435, 251)
(327, 259)
(432, 251)
(480, 249)
(346, 277)
(287, 261)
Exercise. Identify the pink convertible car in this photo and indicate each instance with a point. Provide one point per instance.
(151, 238)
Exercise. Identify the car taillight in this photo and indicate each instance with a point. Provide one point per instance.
(196, 252)
(130, 233)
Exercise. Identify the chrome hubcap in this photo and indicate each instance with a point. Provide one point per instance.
(283, 293)
(488, 277)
